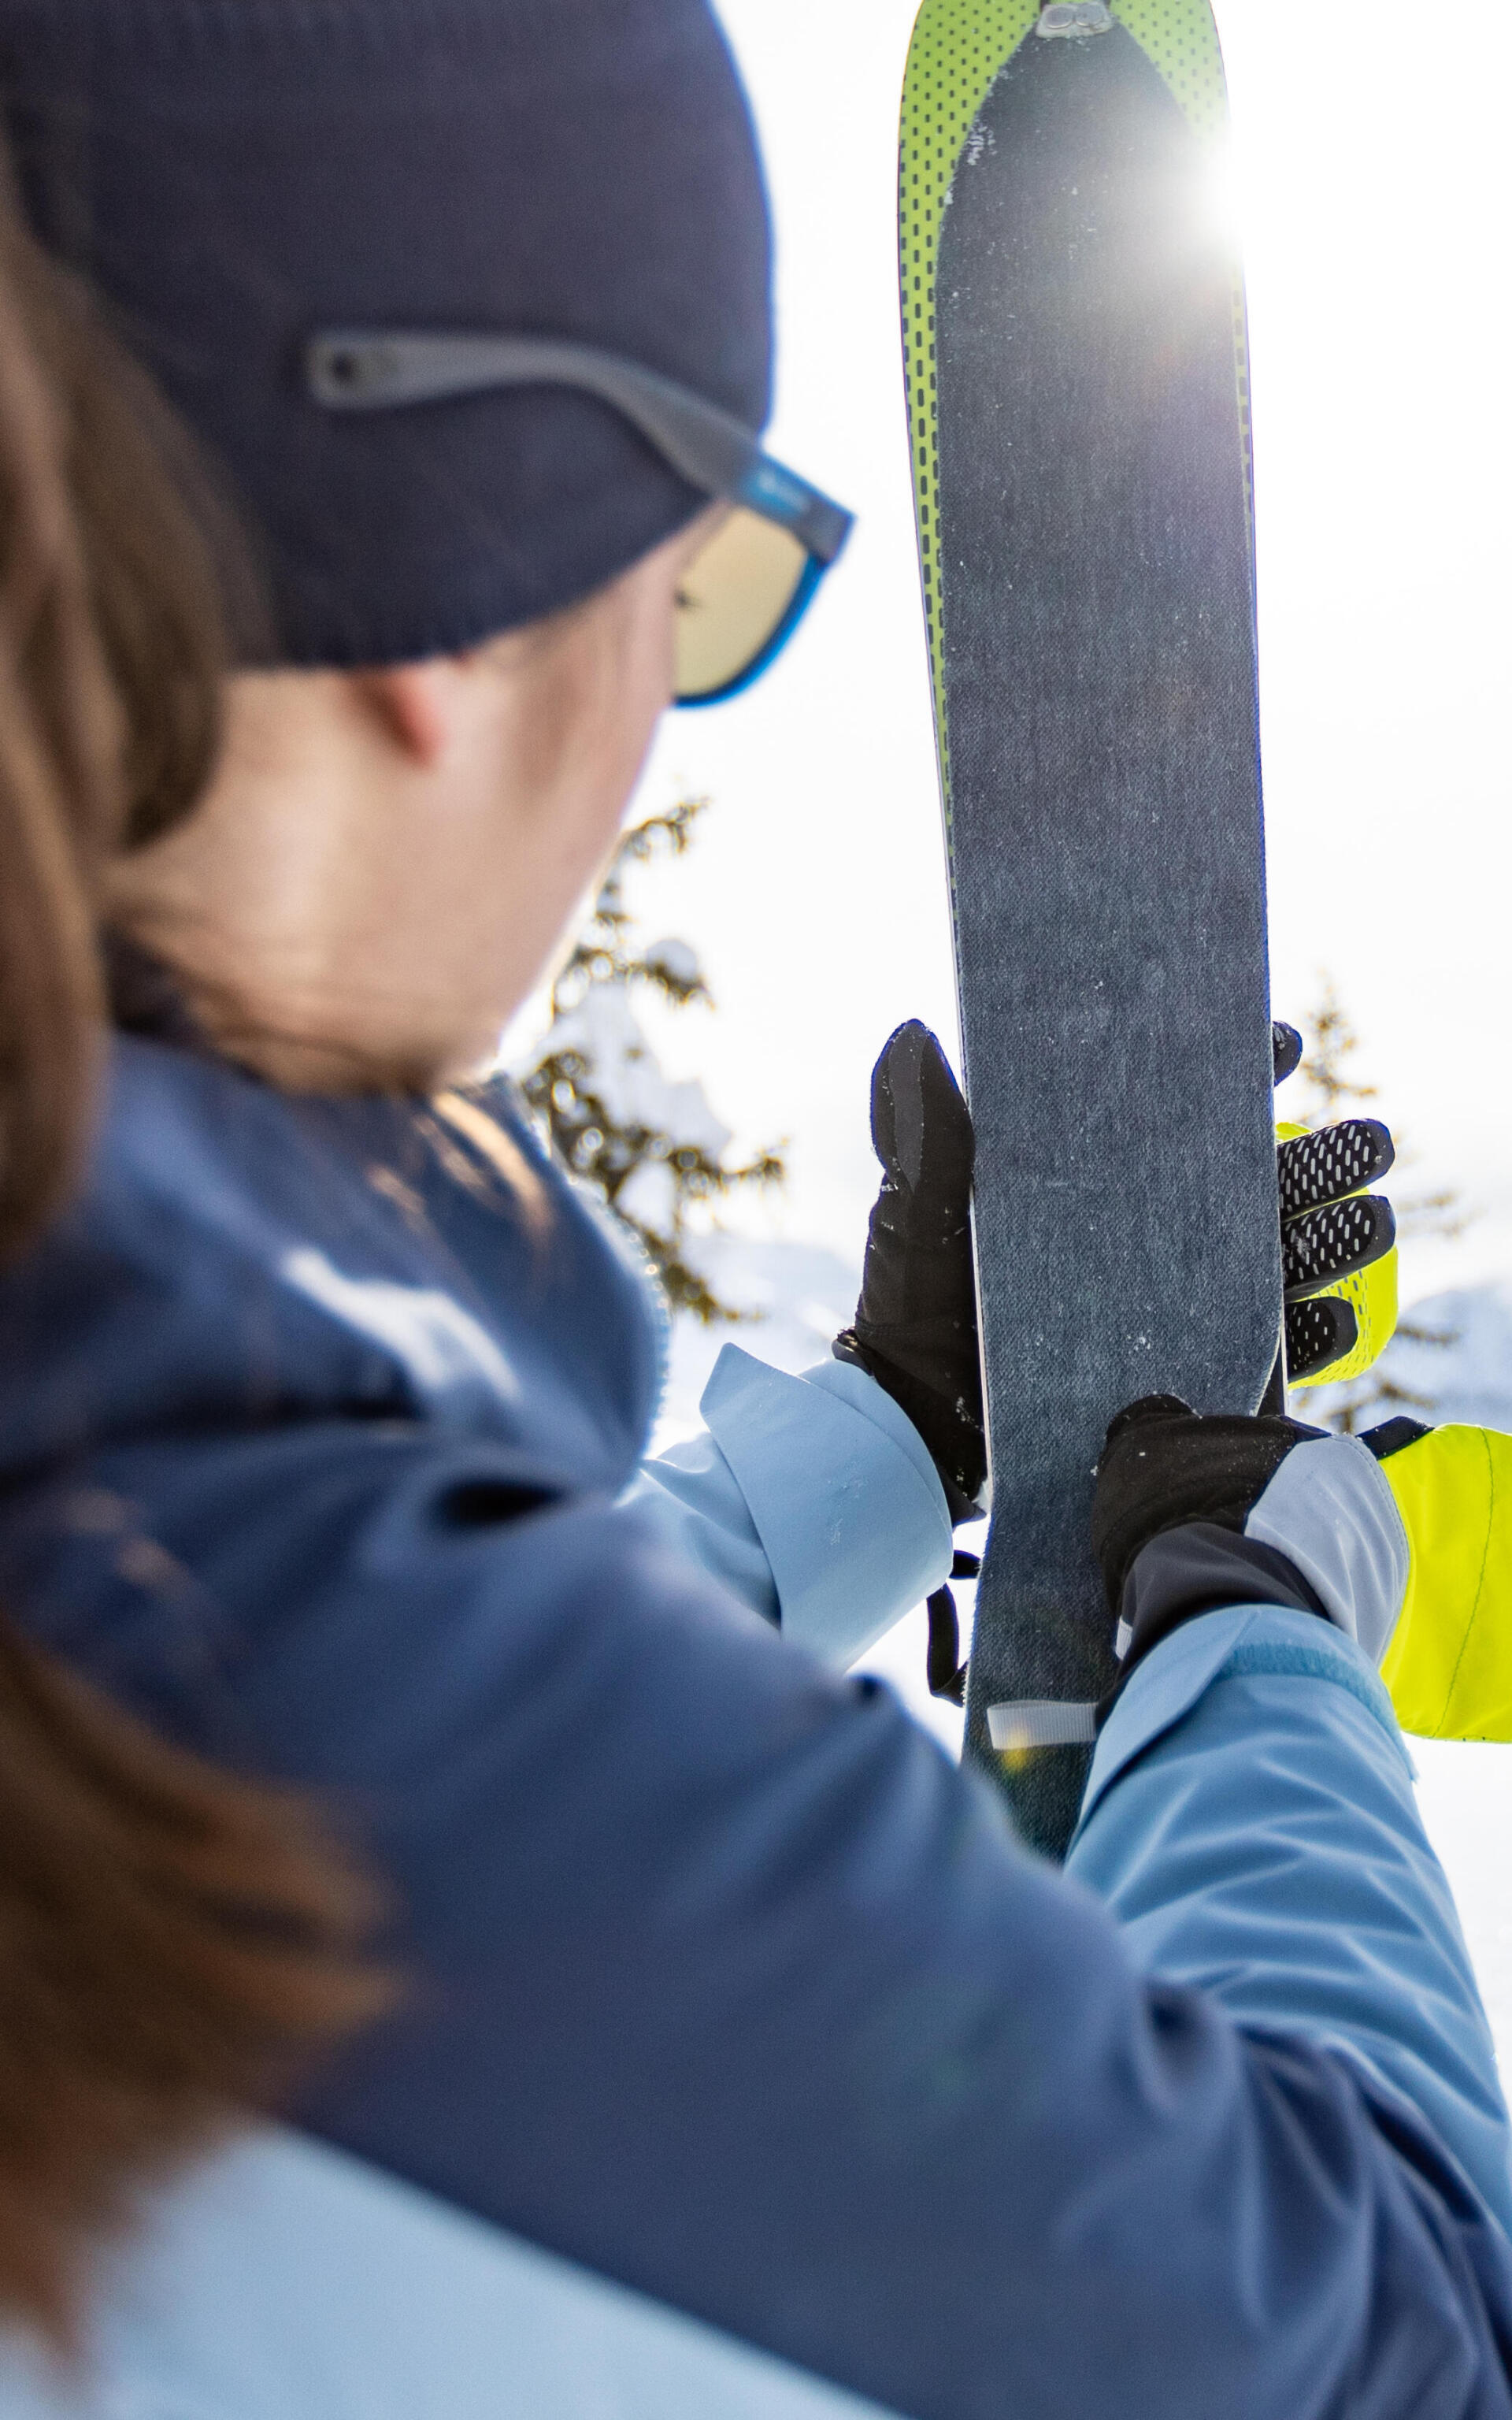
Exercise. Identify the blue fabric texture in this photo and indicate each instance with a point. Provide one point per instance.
(727, 1984)
(1323, 1856)
(356, 2298)
(235, 179)
(691, 1496)
(810, 1499)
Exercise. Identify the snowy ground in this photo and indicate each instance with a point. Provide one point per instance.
(1465, 1791)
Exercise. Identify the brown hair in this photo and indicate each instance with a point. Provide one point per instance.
(172, 1939)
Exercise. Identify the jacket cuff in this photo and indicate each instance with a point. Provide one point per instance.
(1330, 1512)
(1200, 1568)
(1179, 1671)
(843, 1493)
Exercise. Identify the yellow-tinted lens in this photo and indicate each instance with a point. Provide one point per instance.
(733, 600)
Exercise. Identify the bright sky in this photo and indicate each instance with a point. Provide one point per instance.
(1373, 209)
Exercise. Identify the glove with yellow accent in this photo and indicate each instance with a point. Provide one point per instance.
(1192, 1515)
(915, 1329)
(1339, 1241)
(1401, 1538)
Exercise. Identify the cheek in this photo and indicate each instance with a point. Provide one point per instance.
(600, 772)
(648, 666)
(634, 690)
(602, 703)
(593, 823)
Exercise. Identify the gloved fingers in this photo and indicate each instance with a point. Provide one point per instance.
(1163, 1464)
(1320, 1336)
(1148, 1412)
(1340, 1242)
(915, 1329)
(1325, 1245)
(1286, 1051)
(1369, 1295)
(920, 1125)
(1314, 1170)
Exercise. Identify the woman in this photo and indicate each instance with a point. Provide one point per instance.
(721, 1981)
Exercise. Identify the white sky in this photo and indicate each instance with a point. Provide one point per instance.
(1371, 194)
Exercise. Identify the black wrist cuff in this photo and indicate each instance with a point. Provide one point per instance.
(1200, 1568)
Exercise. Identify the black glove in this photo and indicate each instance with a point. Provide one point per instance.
(1334, 1236)
(1174, 1493)
(916, 1322)
(915, 1329)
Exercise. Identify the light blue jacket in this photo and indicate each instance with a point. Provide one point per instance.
(810, 1499)
(733, 1991)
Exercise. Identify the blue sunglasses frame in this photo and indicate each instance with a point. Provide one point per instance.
(369, 369)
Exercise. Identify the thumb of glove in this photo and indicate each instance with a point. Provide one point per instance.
(921, 1133)
(916, 1322)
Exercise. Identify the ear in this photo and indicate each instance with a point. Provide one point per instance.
(419, 705)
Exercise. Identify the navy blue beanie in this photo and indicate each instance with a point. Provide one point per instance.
(233, 174)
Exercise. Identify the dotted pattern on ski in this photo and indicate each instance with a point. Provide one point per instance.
(958, 51)
(959, 48)
(1180, 37)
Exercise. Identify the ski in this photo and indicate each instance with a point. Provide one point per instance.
(1074, 346)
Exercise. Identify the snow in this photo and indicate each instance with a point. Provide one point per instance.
(1464, 1790)
(675, 958)
(649, 1196)
(1471, 1378)
(1465, 1793)
(604, 1030)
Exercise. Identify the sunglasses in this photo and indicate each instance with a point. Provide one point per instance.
(746, 590)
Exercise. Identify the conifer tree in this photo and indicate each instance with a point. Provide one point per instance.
(653, 1149)
(1332, 1090)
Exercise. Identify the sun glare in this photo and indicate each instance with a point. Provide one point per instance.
(1221, 197)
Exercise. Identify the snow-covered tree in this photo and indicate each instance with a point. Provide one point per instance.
(1329, 1088)
(653, 1148)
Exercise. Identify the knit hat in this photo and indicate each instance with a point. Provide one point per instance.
(233, 176)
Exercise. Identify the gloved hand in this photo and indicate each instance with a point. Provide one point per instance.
(1402, 1538)
(1338, 1242)
(1191, 1514)
(916, 1322)
(915, 1328)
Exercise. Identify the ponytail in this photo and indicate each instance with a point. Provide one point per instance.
(173, 1941)
(60, 751)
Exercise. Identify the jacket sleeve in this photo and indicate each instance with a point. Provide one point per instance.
(1299, 1888)
(810, 1499)
(725, 1983)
